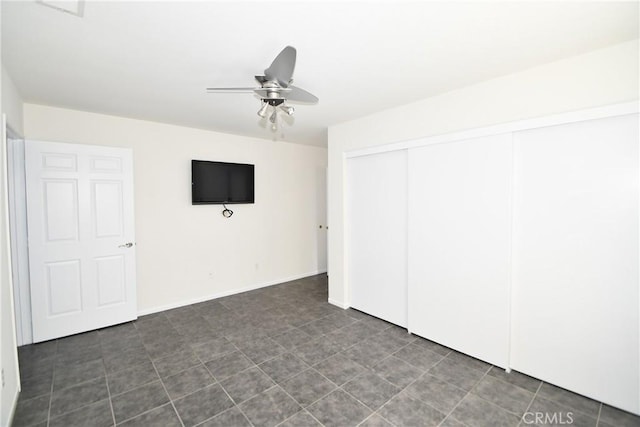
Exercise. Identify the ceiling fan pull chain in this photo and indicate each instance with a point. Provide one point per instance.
(274, 119)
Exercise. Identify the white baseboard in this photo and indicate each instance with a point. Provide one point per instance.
(339, 304)
(146, 311)
(14, 405)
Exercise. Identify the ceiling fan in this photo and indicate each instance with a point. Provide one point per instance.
(275, 87)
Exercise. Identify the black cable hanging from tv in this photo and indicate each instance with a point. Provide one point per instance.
(226, 212)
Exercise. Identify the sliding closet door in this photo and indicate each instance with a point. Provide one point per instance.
(459, 242)
(377, 235)
(576, 258)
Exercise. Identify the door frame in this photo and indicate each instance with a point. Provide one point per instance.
(18, 235)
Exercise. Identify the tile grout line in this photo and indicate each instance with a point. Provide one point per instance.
(219, 355)
(375, 413)
(65, 388)
(511, 384)
(404, 389)
(235, 405)
(467, 394)
(175, 373)
(301, 411)
(454, 419)
(167, 393)
(226, 410)
(106, 380)
(570, 408)
(53, 379)
(161, 380)
(79, 407)
(426, 372)
(304, 408)
(499, 407)
(220, 413)
(291, 397)
(136, 387)
(599, 412)
(287, 393)
(514, 385)
(142, 413)
(530, 403)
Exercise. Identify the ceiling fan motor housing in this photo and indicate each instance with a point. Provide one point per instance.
(273, 102)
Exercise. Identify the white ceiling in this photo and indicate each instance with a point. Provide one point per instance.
(153, 60)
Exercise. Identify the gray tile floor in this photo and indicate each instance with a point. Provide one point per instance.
(279, 356)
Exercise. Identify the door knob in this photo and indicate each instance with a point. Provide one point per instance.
(126, 245)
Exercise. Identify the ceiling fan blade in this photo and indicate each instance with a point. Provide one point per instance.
(281, 69)
(229, 89)
(300, 95)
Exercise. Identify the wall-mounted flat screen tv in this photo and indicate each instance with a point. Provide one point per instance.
(221, 183)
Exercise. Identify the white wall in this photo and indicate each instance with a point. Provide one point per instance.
(8, 354)
(187, 253)
(12, 103)
(12, 107)
(602, 77)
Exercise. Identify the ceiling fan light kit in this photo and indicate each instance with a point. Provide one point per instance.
(262, 112)
(288, 109)
(276, 88)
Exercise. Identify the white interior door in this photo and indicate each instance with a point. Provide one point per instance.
(575, 257)
(377, 235)
(81, 235)
(459, 245)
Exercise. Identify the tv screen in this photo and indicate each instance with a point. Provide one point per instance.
(221, 183)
